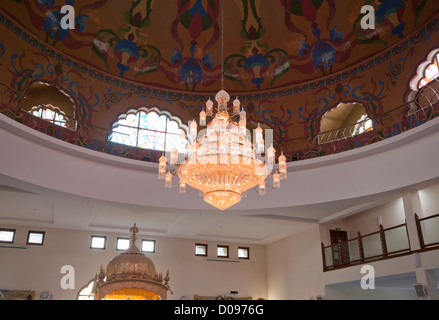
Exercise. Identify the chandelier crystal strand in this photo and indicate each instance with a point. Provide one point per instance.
(221, 161)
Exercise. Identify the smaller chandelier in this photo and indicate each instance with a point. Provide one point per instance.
(221, 161)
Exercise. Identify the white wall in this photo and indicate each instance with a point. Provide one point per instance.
(294, 271)
(357, 293)
(400, 162)
(287, 269)
(391, 213)
(429, 198)
(38, 267)
(294, 267)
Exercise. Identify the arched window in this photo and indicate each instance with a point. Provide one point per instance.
(427, 71)
(51, 104)
(86, 292)
(149, 129)
(51, 114)
(344, 121)
(425, 85)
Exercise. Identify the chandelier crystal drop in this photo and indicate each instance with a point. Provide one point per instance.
(221, 160)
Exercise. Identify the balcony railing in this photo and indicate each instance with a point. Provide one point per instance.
(79, 132)
(88, 135)
(428, 231)
(382, 244)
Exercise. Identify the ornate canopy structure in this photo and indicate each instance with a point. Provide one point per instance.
(131, 276)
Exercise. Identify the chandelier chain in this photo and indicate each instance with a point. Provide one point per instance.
(222, 162)
(222, 44)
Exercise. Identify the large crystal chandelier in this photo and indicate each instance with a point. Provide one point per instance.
(221, 161)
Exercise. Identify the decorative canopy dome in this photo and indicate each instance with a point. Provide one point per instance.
(131, 264)
(131, 275)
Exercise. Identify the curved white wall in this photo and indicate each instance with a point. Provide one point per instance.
(393, 164)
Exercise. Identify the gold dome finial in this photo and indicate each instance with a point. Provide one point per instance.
(133, 230)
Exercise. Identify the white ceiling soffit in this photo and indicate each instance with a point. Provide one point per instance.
(304, 200)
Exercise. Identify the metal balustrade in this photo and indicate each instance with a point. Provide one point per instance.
(79, 132)
(423, 108)
(382, 244)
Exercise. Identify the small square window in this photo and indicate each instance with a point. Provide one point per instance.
(148, 245)
(98, 242)
(243, 253)
(35, 237)
(122, 243)
(222, 251)
(7, 235)
(201, 249)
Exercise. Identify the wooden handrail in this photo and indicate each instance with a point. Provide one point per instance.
(420, 233)
(360, 246)
(429, 217)
(383, 241)
(323, 256)
(306, 144)
(359, 239)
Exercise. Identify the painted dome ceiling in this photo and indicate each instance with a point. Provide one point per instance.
(176, 44)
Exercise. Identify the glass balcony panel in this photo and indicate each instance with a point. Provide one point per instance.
(430, 229)
(354, 250)
(328, 257)
(372, 245)
(397, 239)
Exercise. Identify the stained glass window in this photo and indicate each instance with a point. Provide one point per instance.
(364, 124)
(426, 72)
(425, 84)
(51, 114)
(149, 129)
(431, 72)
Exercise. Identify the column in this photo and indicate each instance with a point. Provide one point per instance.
(427, 278)
(412, 205)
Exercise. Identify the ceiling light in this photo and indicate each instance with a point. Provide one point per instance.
(221, 160)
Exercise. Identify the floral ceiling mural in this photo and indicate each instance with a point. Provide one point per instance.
(288, 61)
(176, 44)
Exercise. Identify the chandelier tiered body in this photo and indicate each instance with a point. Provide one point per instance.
(221, 160)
